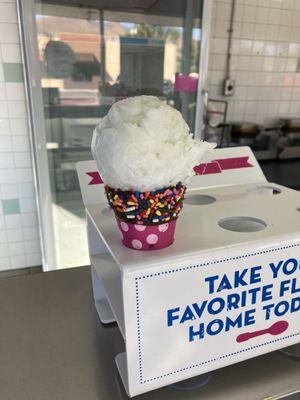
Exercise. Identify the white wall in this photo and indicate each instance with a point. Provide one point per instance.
(265, 47)
(19, 237)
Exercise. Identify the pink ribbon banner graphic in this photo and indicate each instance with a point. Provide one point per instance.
(217, 166)
(212, 167)
(96, 178)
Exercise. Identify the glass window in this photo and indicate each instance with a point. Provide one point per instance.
(90, 58)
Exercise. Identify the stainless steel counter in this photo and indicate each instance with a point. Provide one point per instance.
(53, 347)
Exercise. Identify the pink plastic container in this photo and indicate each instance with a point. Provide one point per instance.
(147, 237)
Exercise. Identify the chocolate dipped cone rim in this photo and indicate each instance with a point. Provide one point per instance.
(147, 208)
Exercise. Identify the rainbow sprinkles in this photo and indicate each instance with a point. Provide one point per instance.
(147, 208)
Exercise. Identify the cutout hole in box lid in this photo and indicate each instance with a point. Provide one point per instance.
(199, 199)
(265, 190)
(242, 224)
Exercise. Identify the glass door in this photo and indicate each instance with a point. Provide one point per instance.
(92, 55)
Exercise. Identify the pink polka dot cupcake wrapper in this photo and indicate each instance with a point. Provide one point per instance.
(147, 237)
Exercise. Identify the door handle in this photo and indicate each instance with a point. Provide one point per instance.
(205, 105)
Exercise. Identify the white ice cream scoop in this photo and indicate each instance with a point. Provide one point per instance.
(143, 144)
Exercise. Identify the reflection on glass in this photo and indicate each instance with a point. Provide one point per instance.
(91, 58)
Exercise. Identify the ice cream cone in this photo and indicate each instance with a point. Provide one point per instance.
(147, 237)
(147, 220)
(146, 155)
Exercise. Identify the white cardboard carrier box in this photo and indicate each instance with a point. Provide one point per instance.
(226, 290)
